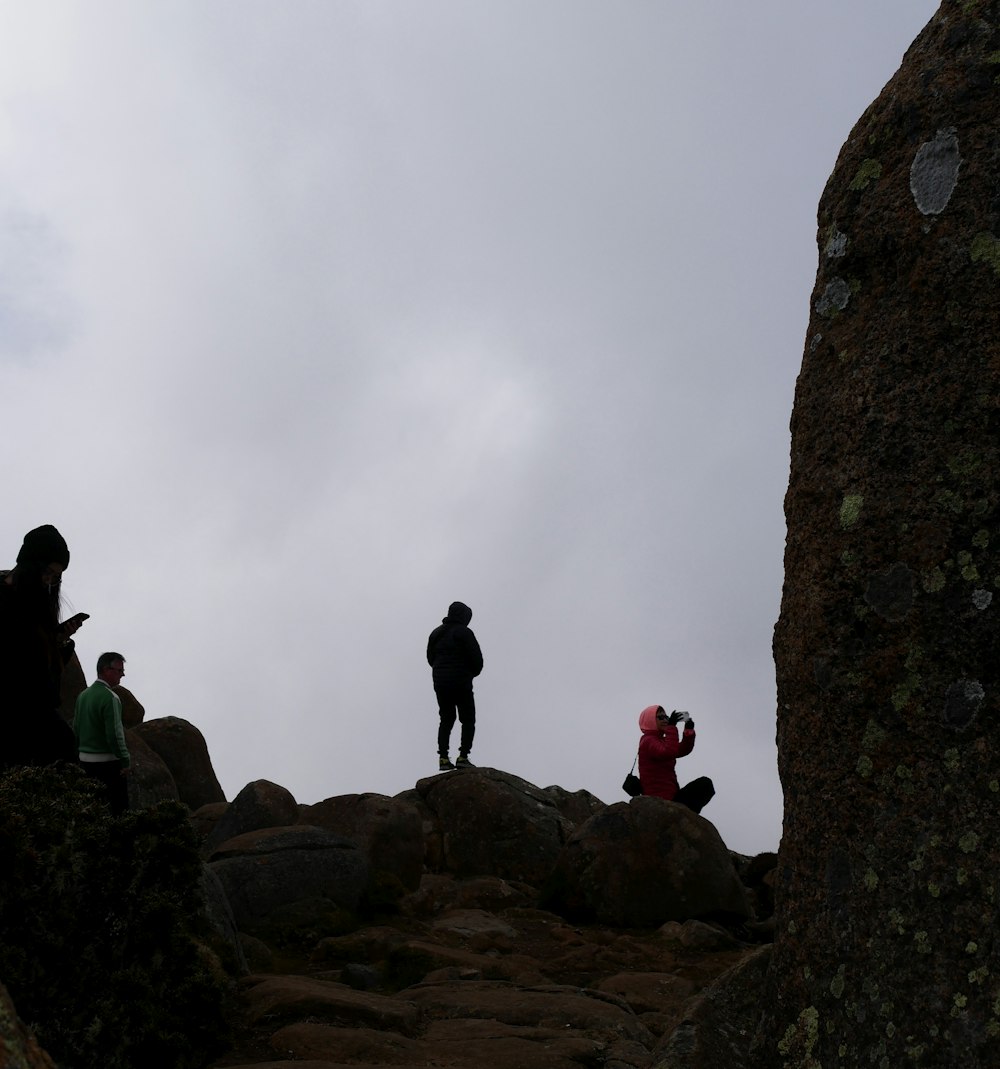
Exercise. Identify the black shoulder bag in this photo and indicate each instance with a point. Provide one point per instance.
(632, 786)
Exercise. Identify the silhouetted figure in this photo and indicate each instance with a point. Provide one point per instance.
(34, 646)
(455, 659)
(659, 749)
(100, 736)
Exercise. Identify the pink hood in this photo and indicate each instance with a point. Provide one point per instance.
(647, 718)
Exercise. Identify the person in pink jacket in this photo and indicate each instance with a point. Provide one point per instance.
(659, 748)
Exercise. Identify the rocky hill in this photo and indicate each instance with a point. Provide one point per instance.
(474, 921)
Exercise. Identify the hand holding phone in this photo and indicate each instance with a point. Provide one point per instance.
(72, 625)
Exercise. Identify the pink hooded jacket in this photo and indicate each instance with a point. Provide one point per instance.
(659, 749)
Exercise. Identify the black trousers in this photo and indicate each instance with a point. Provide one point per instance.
(455, 700)
(115, 784)
(696, 794)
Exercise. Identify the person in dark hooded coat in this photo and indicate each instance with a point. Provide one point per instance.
(34, 646)
(455, 659)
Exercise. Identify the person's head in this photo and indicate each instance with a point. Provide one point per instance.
(458, 613)
(653, 718)
(44, 551)
(37, 575)
(111, 668)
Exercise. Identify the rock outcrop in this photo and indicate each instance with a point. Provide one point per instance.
(886, 652)
(181, 747)
(484, 822)
(643, 863)
(18, 1047)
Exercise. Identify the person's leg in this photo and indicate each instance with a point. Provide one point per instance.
(109, 775)
(466, 703)
(696, 794)
(446, 712)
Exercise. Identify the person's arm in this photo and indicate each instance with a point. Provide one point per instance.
(474, 653)
(114, 731)
(665, 745)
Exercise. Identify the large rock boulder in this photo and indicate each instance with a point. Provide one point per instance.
(490, 823)
(886, 647)
(181, 746)
(289, 877)
(261, 804)
(643, 863)
(388, 830)
(133, 711)
(149, 779)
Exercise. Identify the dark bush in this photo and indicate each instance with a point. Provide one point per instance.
(101, 927)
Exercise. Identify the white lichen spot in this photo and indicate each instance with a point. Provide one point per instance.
(982, 598)
(834, 298)
(836, 245)
(934, 172)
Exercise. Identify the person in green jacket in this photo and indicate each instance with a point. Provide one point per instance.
(100, 737)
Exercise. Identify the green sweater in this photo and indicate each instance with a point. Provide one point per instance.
(97, 722)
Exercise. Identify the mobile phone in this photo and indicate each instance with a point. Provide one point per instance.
(77, 619)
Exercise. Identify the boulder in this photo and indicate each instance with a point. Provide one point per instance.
(888, 680)
(182, 748)
(491, 823)
(575, 806)
(279, 999)
(643, 863)
(261, 804)
(18, 1047)
(133, 712)
(297, 872)
(388, 830)
(716, 1026)
(218, 914)
(149, 779)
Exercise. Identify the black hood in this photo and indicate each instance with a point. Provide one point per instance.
(458, 614)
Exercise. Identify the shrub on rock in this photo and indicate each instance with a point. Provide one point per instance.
(101, 922)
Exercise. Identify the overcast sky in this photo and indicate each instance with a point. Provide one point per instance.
(317, 315)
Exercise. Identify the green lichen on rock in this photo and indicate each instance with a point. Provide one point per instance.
(850, 509)
(986, 249)
(869, 170)
(837, 984)
(864, 766)
(969, 842)
(800, 1039)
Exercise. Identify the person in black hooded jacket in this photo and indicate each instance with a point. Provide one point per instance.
(34, 646)
(455, 659)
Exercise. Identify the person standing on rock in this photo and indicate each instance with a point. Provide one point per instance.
(659, 749)
(100, 737)
(34, 647)
(455, 659)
